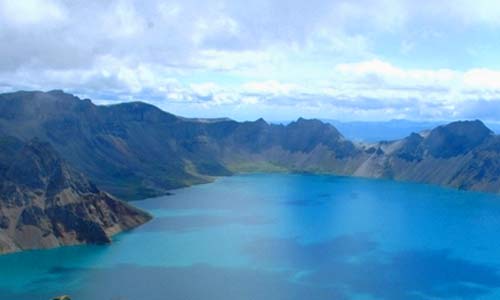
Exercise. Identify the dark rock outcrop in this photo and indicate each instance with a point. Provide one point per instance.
(64, 297)
(456, 138)
(464, 154)
(44, 203)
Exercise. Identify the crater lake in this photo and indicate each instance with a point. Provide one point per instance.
(283, 236)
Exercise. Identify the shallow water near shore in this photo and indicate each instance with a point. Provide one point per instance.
(279, 236)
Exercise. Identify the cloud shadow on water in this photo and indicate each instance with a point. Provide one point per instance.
(290, 253)
(206, 282)
(334, 269)
(356, 264)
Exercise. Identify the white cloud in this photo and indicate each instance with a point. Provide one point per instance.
(205, 89)
(124, 21)
(482, 79)
(483, 11)
(30, 12)
(365, 90)
(330, 58)
(272, 87)
(376, 75)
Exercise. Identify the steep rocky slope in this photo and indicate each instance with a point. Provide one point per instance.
(135, 150)
(464, 154)
(45, 204)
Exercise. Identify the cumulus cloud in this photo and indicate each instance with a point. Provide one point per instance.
(279, 59)
(30, 12)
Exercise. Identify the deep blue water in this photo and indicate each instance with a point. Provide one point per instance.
(277, 237)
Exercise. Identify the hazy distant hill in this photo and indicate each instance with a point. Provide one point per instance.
(381, 131)
(374, 131)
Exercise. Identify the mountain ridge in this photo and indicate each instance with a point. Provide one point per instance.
(136, 150)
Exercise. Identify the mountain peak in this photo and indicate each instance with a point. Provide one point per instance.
(302, 120)
(261, 121)
(315, 125)
(140, 111)
(57, 92)
(469, 127)
(457, 138)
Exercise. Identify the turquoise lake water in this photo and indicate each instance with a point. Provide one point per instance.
(272, 236)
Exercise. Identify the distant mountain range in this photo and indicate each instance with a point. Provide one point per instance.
(375, 131)
(135, 150)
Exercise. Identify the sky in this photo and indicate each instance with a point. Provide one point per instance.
(370, 60)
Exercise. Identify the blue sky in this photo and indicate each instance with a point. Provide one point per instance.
(281, 59)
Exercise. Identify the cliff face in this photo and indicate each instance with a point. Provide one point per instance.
(463, 154)
(131, 150)
(135, 150)
(45, 204)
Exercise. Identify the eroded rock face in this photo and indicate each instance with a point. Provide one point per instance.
(135, 150)
(44, 203)
(463, 154)
(456, 138)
